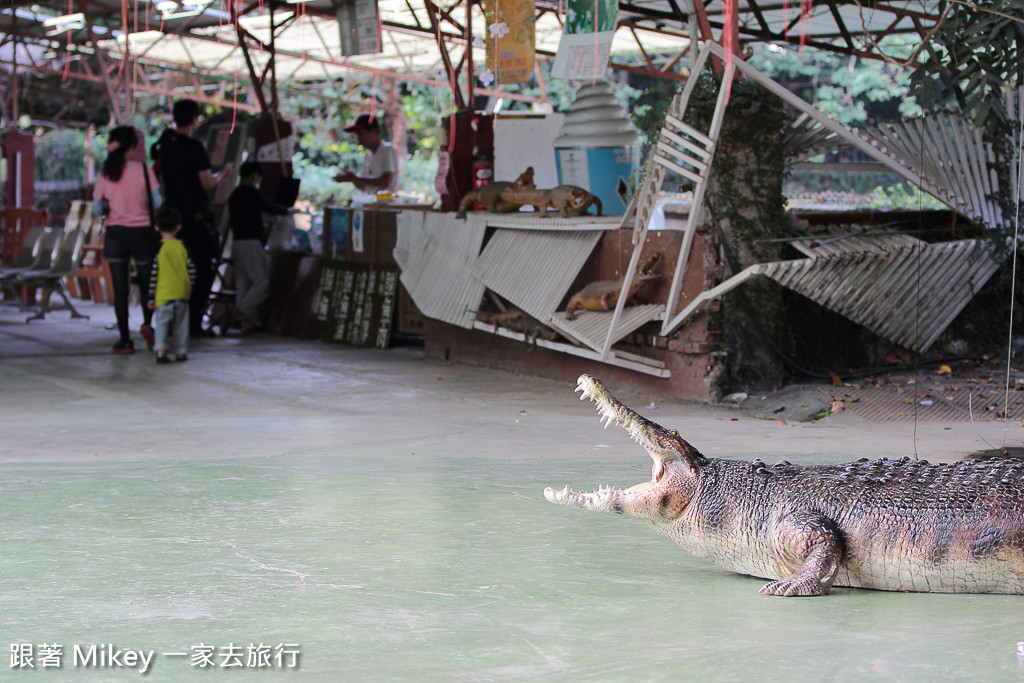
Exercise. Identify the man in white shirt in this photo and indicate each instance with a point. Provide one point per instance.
(380, 165)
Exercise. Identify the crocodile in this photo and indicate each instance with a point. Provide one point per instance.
(896, 525)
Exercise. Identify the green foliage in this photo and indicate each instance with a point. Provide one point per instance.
(418, 173)
(647, 104)
(60, 155)
(975, 55)
(848, 89)
(899, 196)
(318, 186)
(423, 110)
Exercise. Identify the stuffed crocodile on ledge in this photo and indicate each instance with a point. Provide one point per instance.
(900, 525)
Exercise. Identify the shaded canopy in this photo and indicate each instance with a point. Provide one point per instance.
(87, 63)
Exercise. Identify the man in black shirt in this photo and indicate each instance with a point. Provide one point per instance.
(248, 237)
(187, 180)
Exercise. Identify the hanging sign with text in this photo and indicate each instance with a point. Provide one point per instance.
(510, 39)
(586, 40)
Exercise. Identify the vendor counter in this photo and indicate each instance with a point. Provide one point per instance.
(348, 292)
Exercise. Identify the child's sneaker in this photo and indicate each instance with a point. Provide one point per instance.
(162, 360)
(181, 358)
(124, 347)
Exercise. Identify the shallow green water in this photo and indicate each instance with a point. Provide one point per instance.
(416, 569)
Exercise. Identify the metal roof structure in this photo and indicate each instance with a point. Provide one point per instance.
(77, 55)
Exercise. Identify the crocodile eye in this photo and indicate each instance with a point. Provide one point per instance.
(675, 433)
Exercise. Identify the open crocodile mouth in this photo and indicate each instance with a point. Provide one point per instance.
(649, 435)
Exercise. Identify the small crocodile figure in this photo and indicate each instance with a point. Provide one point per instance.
(603, 295)
(899, 525)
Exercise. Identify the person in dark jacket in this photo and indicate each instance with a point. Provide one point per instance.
(248, 239)
(187, 179)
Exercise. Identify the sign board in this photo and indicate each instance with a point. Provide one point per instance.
(357, 232)
(524, 139)
(225, 143)
(510, 39)
(335, 232)
(354, 304)
(586, 40)
(359, 25)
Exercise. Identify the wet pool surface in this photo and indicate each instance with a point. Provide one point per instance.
(418, 570)
(371, 516)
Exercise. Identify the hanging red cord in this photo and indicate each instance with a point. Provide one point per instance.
(124, 31)
(67, 62)
(376, 76)
(806, 9)
(785, 20)
(234, 100)
(451, 120)
(729, 43)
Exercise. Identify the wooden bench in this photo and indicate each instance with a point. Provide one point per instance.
(92, 279)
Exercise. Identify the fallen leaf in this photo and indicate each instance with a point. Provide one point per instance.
(836, 379)
(945, 370)
(782, 422)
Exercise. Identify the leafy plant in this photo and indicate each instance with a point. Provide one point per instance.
(975, 55)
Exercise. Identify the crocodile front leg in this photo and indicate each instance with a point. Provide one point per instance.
(809, 544)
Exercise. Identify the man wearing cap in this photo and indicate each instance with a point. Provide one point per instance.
(380, 165)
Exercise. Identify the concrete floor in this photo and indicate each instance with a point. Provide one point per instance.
(382, 516)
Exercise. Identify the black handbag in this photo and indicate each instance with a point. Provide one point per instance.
(149, 195)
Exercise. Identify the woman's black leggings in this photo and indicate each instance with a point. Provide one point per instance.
(122, 288)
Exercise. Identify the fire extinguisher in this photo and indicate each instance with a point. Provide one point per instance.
(482, 173)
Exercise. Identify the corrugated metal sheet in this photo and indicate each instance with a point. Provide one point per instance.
(446, 273)
(951, 154)
(436, 254)
(889, 404)
(908, 295)
(853, 238)
(533, 269)
(944, 151)
(529, 220)
(591, 327)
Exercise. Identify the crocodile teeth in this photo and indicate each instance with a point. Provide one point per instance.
(582, 388)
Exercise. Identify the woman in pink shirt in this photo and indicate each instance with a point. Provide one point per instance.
(129, 228)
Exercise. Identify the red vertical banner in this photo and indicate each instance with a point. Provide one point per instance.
(20, 162)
